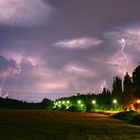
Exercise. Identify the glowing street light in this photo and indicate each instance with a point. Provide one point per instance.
(79, 101)
(63, 102)
(68, 102)
(93, 102)
(115, 102)
(59, 102)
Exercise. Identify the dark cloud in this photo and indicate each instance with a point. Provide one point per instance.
(7, 64)
(19, 13)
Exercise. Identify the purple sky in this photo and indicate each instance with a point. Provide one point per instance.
(56, 48)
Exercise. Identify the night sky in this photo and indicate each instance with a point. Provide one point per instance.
(56, 48)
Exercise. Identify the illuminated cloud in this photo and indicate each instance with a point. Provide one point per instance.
(82, 43)
(8, 70)
(131, 34)
(53, 86)
(117, 63)
(23, 12)
(7, 64)
(100, 86)
(78, 70)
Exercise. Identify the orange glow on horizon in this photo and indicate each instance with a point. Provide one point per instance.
(138, 101)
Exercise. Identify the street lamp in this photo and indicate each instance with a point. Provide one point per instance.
(59, 104)
(68, 102)
(93, 102)
(63, 102)
(115, 102)
(79, 101)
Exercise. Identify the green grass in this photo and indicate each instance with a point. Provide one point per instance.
(135, 120)
(42, 125)
(126, 116)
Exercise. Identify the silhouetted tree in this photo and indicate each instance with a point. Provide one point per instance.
(106, 99)
(136, 82)
(47, 103)
(117, 89)
(127, 91)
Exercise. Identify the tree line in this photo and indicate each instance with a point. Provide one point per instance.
(17, 104)
(125, 95)
(127, 92)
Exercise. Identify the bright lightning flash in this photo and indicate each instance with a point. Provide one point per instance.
(123, 42)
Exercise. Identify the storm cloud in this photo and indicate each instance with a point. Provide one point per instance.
(23, 12)
(52, 48)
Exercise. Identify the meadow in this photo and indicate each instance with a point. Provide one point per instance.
(43, 125)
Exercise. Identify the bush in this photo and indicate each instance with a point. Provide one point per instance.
(126, 116)
(73, 109)
(89, 108)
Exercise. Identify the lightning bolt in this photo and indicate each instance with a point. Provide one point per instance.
(2, 88)
(2, 85)
(6, 95)
(103, 85)
(99, 88)
(123, 42)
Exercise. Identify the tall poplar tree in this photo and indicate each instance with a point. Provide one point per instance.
(136, 82)
(117, 89)
(127, 91)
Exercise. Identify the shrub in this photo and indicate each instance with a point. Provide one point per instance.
(126, 116)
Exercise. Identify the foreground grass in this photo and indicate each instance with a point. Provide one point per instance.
(42, 125)
(128, 116)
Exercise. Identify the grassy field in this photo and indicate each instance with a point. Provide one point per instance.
(42, 125)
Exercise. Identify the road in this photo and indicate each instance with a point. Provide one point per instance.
(42, 125)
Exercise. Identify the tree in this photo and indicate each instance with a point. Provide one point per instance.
(106, 99)
(136, 82)
(117, 89)
(127, 91)
(47, 103)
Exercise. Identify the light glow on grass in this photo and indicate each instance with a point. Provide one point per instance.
(82, 105)
(67, 107)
